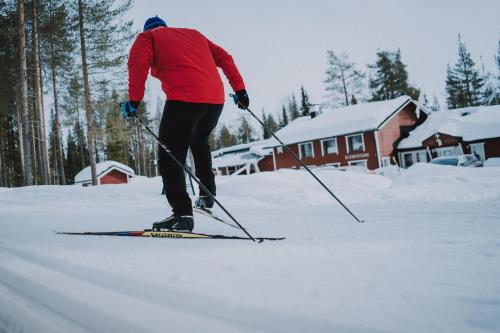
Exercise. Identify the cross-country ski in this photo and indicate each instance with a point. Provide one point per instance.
(162, 234)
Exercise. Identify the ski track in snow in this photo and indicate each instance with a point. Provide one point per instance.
(416, 265)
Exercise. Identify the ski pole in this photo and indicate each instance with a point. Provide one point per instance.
(300, 161)
(203, 187)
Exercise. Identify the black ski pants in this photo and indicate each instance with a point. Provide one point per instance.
(186, 125)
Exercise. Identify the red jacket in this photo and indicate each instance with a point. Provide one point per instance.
(185, 62)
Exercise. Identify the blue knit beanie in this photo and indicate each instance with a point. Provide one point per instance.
(154, 22)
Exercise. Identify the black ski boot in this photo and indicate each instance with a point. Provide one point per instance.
(204, 202)
(184, 223)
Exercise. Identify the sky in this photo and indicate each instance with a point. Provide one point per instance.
(280, 45)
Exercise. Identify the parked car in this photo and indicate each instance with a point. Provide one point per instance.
(467, 160)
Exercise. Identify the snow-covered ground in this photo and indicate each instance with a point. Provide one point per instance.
(426, 260)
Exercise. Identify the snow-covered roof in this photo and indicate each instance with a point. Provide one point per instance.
(101, 169)
(235, 159)
(256, 146)
(241, 154)
(341, 121)
(477, 123)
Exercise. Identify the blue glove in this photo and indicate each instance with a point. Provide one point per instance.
(241, 99)
(129, 108)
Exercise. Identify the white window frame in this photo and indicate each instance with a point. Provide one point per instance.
(479, 144)
(362, 140)
(335, 165)
(357, 161)
(303, 144)
(440, 150)
(413, 154)
(280, 150)
(323, 153)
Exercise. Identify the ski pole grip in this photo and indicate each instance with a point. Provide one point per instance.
(233, 96)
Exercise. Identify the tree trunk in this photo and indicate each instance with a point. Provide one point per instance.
(39, 109)
(3, 176)
(23, 85)
(20, 131)
(142, 152)
(57, 133)
(86, 93)
(81, 139)
(34, 152)
(344, 86)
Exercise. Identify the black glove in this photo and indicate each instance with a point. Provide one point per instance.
(241, 99)
(129, 108)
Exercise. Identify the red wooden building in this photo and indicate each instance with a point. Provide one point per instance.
(474, 130)
(108, 172)
(363, 134)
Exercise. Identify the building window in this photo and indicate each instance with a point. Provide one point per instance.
(410, 158)
(386, 161)
(363, 163)
(355, 143)
(478, 150)
(306, 150)
(329, 147)
(280, 150)
(447, 151)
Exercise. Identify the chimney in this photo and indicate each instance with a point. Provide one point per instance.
(315, 111)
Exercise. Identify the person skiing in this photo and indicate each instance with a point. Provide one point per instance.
(185, 62)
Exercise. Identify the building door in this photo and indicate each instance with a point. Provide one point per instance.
(478, 149)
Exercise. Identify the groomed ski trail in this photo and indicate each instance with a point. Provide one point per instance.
(61, 301)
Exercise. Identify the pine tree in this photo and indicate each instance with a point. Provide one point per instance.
(57, 39)
(293, 108)
(435, 104)
(354, 101)
(283, 118)
(270, 123)
(212, 141)
(305, 104)
(103, 39)
(455, 95)
(464, 84)
(498, 63)
(72, 164)
(55, 151)
(117, 135)
(343, 79)
(23, 92)
(245, 131)
(226, 138)
(39, 105)
(496, 94)
(11, 134)
(389, 78)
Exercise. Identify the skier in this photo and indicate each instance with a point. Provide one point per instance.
(185, 62)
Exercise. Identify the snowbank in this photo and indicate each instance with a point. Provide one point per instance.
(422, 182)
(437, 183)
(492, 162)
(298, 188)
